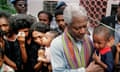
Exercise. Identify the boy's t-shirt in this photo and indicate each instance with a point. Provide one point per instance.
(107, 58)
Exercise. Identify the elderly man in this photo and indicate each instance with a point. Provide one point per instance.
(70, 52)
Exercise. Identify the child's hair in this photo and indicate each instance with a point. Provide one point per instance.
(40, 27)
(104, 30)
(1, 52)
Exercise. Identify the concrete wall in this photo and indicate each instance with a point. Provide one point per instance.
(34, 6)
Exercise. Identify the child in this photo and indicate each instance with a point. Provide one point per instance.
(46, 40)
(103, 40)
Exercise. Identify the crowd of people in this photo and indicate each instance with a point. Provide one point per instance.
(30, 44)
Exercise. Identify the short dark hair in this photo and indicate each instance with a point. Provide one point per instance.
(102, 29)
(47, 13)
(40, 27)
(58, 12)
(20, 21)
(15, 1)
(5, 15)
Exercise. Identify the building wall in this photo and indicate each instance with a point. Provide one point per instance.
(34, 6)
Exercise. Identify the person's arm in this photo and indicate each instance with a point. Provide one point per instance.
(117, 53)
(21, 40)
(98, 60)
(23, 52)
(44, 60)
(38, 66)
(102, 64)
(10, 62)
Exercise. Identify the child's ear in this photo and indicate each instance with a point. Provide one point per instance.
(111, 41)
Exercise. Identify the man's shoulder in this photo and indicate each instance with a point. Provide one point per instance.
(58, 39)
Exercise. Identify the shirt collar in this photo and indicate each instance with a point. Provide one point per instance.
(105, 50)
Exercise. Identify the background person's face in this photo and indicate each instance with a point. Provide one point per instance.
(78, 27)
(60, 21)
(43, 18)
(21, 6)
(4, 25)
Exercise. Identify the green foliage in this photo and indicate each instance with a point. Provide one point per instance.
(6, 6)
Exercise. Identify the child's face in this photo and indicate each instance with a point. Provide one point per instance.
(99, 41)
(46, 40)
(37, 37)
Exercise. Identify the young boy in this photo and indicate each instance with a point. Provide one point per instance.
(46, 41)
(103, 40)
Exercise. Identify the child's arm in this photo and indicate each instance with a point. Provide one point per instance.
(38, 66)
(117, 53)
(10, 62)
(44, 60)
(97, 59)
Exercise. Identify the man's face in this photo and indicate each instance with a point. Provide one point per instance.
(78, 27)
(60, 21)
(43, 18)
(21, 6)
(4, 25)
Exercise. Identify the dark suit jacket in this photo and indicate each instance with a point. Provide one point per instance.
(110, 21)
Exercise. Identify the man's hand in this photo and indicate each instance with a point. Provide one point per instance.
(94, 67)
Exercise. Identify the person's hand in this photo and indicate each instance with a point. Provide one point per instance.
(40, 59)
(92, 67)
(118, 47)
(14, 66)
(96, 57)
(21, 37)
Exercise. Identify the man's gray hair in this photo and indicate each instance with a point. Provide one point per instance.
(73, 10)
